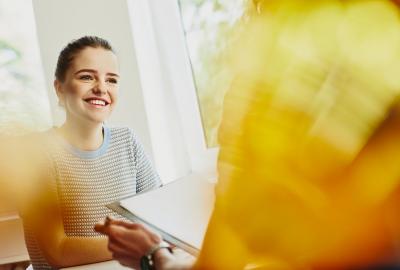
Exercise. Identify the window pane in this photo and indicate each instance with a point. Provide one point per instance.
(24, 103)
(208, 25)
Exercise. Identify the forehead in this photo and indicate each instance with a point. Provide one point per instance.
(95, 58)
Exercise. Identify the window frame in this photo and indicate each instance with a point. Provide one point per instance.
(165, 71)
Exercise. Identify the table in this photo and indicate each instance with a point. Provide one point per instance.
(114, 265)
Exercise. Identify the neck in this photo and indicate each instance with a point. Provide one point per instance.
(84, 136)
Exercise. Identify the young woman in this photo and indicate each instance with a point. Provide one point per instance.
(90, 164)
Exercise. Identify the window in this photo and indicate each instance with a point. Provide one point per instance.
(171, 66)
(24, 102)
(208, 26)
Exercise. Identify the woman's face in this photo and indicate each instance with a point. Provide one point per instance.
(89, 91)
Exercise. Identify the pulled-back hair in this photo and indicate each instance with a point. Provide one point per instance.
(73, 48)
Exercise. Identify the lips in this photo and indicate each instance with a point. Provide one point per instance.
(97, 101)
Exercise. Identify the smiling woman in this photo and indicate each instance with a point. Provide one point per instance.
(88, 88)
(88, 164)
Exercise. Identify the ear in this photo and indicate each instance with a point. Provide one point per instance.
(59, 91)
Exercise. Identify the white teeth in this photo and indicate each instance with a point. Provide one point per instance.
(97, 102)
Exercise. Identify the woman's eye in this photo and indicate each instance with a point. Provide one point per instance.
(86, 77)
(112, 80)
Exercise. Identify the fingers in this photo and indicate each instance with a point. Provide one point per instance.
(100, 228)
(133, 239)
(119, 250)
(133, 231)
(123, 223)
(127, 239)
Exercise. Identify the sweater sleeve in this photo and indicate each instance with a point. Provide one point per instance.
(147, 177)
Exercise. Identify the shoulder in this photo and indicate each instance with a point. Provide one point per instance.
(25, 153)
(118, 132)
(40, 141)
(125, 134)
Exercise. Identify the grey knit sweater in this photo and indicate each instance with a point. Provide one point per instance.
(85, 181)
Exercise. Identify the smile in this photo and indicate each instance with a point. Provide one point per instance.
(97, 101)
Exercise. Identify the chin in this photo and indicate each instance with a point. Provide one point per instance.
(98, 119)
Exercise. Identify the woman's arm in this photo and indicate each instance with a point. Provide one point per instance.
(82, 250)
(43, 215)
(60, 250)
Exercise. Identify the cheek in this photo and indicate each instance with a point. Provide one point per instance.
(74, 90)
(114, 95)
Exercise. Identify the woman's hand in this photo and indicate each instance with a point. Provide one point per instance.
(128, 242)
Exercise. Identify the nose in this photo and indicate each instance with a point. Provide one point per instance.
(100, 88)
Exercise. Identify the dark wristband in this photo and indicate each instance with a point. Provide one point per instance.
(147, 261)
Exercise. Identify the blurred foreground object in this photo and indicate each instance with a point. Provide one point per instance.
(22, 169)
(309, 162)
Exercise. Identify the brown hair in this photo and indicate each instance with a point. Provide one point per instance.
(74, 47)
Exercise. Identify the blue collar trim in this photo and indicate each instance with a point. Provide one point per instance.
(91, 154)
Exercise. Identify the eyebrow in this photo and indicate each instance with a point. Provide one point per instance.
(94, 71)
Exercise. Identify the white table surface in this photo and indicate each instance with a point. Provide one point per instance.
(181, 209)
(108, 265)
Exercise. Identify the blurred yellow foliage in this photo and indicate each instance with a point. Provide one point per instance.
(309, 161)
(23, 171)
